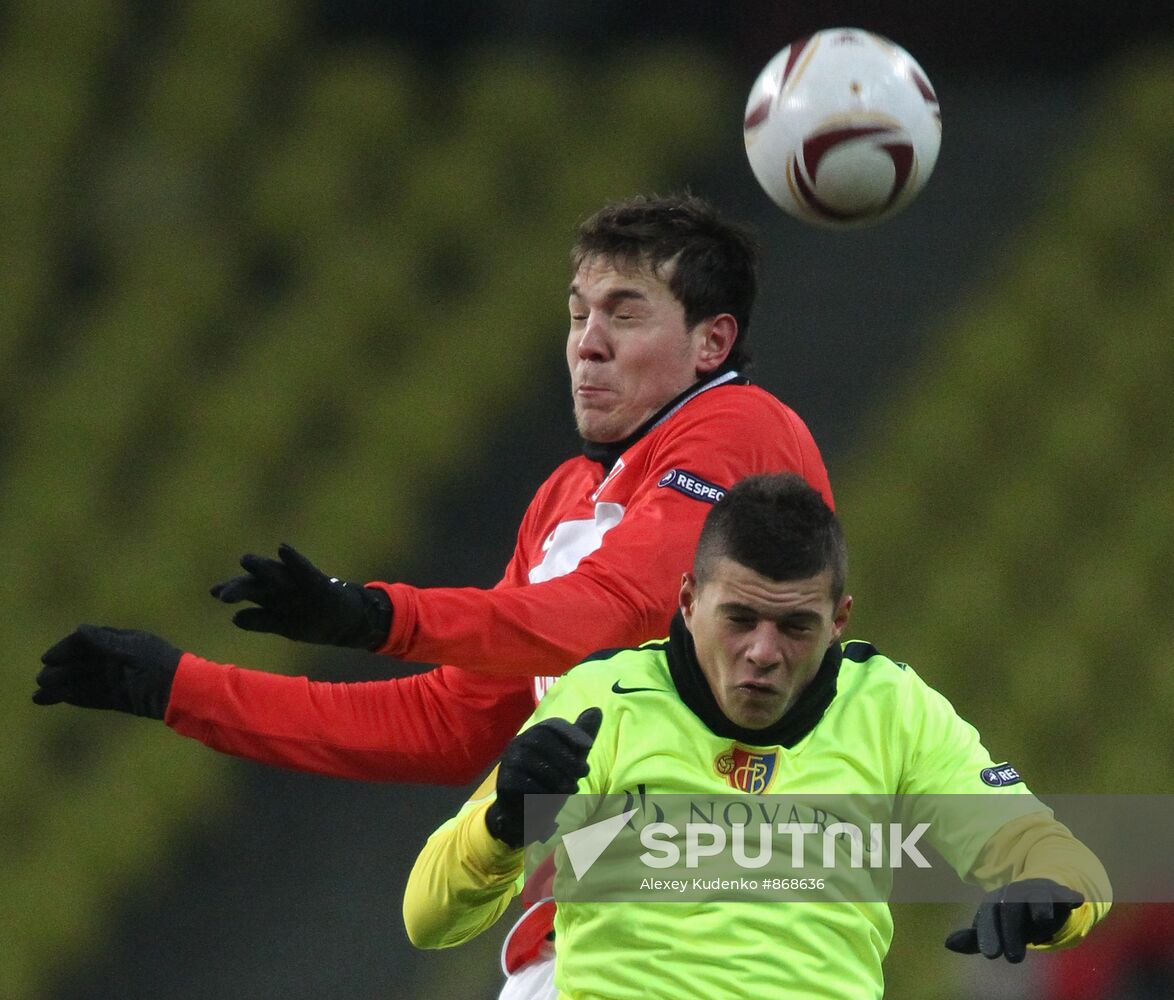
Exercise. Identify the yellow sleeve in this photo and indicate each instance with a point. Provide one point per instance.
(1037, 846)
(463, 879)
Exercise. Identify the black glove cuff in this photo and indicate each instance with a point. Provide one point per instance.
(377, 616)
(505, 824)
(148, 686)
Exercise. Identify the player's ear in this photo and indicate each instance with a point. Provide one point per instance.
(840, 616)
(715, 340)
(688, 597)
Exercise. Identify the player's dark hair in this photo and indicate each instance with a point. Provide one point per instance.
(715, 261)
(776, 525)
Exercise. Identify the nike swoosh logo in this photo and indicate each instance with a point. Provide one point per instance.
(616, 689)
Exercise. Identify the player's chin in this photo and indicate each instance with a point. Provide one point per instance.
(754, 708)
(597, 426)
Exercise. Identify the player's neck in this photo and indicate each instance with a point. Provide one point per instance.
(796, 723)
(607, 453)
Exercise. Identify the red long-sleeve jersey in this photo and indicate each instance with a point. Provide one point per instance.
(598, 564)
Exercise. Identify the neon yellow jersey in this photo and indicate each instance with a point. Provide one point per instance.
(865, 726)
(885, 731)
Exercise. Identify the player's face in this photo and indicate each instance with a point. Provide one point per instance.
(760, 641)
(629, 351)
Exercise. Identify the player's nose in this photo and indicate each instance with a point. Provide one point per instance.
(765, 647)
(593, 341)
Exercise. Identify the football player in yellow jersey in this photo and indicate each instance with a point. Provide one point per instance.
(755, 690)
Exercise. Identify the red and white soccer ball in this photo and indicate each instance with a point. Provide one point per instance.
(842, 128)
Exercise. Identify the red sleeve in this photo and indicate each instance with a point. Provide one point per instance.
(626, 591)
(444, 726)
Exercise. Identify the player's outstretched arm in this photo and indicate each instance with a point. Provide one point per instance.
(99, 667)
(1045, 889)
(443, 726)
(1009, 918)
(297, 600)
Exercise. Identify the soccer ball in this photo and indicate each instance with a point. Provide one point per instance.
(842, 128)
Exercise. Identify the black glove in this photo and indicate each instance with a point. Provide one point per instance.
(299, 601)
(1014, 916)
(119, 668)
(549, 758)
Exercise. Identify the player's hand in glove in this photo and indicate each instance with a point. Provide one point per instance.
(549, 758)
(299, 601)
(1014, 916)
(118, 668)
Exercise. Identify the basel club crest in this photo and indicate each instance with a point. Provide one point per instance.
(747, 770)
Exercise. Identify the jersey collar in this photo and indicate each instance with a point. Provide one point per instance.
(800, 719)
(607, 453)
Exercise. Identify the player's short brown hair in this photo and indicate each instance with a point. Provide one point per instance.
(714, 261)
(777, 525)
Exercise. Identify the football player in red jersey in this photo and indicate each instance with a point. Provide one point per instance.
(660, 301)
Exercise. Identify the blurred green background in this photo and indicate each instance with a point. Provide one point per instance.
(296, 271)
